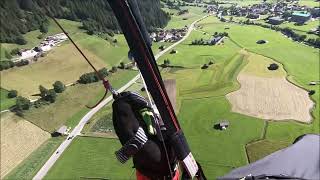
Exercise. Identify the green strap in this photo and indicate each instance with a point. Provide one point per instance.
(147, 117)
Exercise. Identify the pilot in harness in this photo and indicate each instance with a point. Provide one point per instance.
(148, 130)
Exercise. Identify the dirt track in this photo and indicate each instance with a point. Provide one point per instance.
(270, 98)
(19, 138)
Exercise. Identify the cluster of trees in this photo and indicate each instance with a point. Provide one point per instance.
(24, 16)
(315, 42)
(199, 42)
(6, 65)
(47, 96)
(22, 104)
(12, 93)
(295, 36)
(206, 66)
(166, 63)
(9, 64)
(97, 16)
(222, 34)
(122, 65)
(206, 42)
(92, 76)
(23, 62)
(185, 11)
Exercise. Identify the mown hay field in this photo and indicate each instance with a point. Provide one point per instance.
(63, 63)
(73, 101)
(28, 168)
(268, 95)
(89, 157)
(19, 138)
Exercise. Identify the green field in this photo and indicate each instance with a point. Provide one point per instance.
(89, 157)
(71, 27)
(179, 21)
(263, 148)
(201, 102)
(30, 166)
(309, 3)
(6, 102)
(101, 123)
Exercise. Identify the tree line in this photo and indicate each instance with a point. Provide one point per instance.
(95, 15)
(47, 96)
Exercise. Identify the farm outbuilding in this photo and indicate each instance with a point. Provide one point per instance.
(273, 66)
(60, 132)
(222, 125)
(300, 16)
(275, 20)
(261, 41)
(312, 83)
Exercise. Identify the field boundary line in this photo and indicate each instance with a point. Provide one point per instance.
(293, 82)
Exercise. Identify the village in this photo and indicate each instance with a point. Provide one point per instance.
(171, 35)
(46, 45)
(274, 14)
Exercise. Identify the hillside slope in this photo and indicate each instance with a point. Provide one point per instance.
(96, 16)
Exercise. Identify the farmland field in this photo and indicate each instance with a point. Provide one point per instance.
(66, 64)
(31, 165)
(63, 63)
(309, 3)
(19, 138)
(264, 93)
(71, 27)
(73, 101)
(293, 56)
(179, 21)
(6, 102)
(89, 157)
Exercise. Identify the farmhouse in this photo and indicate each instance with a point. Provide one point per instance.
(275, 20)
(300, 16)
(26, 54)
(60, 132)
(253, 16)
(223, 125)
(216, 40)
(172, 35)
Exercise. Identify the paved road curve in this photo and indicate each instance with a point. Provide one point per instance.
(77, 130)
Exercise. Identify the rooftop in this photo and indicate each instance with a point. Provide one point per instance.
(301, 13)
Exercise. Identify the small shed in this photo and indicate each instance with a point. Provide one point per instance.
(275, 20)
(273, 66)
(261, 41)
(312, 83)
(60, 132)
(223, 125)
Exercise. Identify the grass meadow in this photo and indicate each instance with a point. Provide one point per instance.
(180, 21)
(70, 105)
(89, 157)
(6, 102)
(30, 166)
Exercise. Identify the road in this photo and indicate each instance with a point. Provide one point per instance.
(77, 130)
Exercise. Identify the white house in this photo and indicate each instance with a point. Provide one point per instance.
(28, 54)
